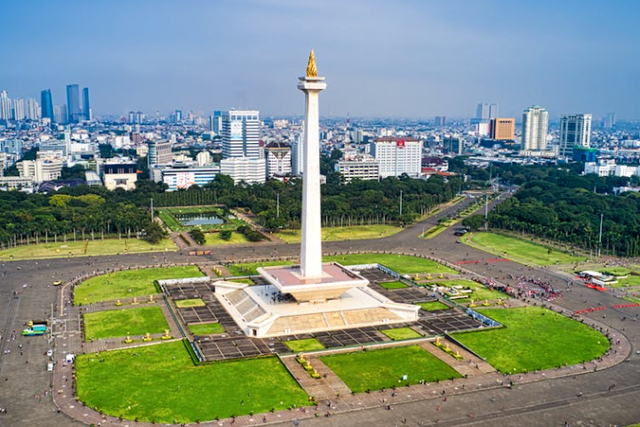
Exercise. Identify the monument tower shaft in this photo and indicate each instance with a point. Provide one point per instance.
(311, 247)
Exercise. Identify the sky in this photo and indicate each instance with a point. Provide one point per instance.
(381, 58)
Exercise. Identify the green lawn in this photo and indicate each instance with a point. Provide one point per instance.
(518, 249)
(480, 292)
(213, 239)
(120, 323)
(534, 338)
(160, 383)
(245, 281)
(401, 334)
(433, 306)
(129, 283)
(310, 344)
(250, 268)
(86, 248)
(433, 231)
(186, 303)
(375, 369)
(393, 285)
(356, 232)
(206, 329)
(403, 264)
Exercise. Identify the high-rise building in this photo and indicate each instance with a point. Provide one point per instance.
(60, 114)
(159, 153)
(535, 124)
(31, 109)
(452, 144)
(485, 111)
(362, 167)
(5, 106)
(502, 129)
(493, 111)
(278, 157)
(609, 121)
(241, 134)
(18, 109)
(244, 169)
(297, 163)
(397, 156)
(575, 130)
(73, 103)
(46, 103)
(216, 122)
(440, 121)
(86, 107)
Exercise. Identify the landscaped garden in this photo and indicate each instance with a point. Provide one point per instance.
(433, 306)
(85, 248)
(251, 268)
(205, 218)
(356, 232)
(478, 294)
(396, 284)
(212, 239)
(160, 383)
(386, 368)
(398, 334)
(123, 322)
(625, 277)
(309, 344)
(206, 329)
(518, 249)
(533, 338)
(129, 283)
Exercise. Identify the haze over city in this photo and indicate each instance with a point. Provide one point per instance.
(407, 59)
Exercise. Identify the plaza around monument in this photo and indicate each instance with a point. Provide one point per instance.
(379, 345)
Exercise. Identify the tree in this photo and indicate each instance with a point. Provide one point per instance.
(197, 235)
(154, 233)
(226, 235)
(474, 222)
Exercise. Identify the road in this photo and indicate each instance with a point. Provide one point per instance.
(545, 403)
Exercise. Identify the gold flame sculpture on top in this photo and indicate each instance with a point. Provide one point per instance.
(312, 71)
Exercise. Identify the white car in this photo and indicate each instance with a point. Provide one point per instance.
(49, 353)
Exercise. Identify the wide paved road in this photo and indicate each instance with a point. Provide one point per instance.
(23, 378)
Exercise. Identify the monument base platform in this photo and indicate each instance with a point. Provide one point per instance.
(264, 311)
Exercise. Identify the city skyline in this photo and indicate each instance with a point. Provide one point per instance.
(431, 59)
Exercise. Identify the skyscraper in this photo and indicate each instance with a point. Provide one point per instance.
(46, 103)
(18, 109)
(575, 130)
(31, 109)
(60, 114)
(5, 106)
(240, 134)
(73, 103)
(86, 107)
(502, 129)
(535, 124)
(486, 111)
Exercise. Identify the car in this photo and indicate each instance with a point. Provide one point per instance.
(57, 283)
(49, 353)
(460, 232)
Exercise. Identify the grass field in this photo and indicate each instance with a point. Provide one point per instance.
(480, 292)
(433, 306)
(534, 338)
(130, 283)
(206, 329)
(310, 344)
(245, 281)
(375, 369)
(86, 248)
(186, 303)
(160, 383)
(401, 334)
(518, 250)
(433, 231)
(356, 232)
(396, 284)
(403, 264)
(120, 323)
(213, 239)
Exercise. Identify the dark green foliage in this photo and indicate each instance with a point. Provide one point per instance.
(154, 233)
(197, 235)
(474, 222)
(226, 234)
(250, 234)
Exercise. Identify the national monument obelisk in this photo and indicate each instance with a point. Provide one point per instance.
(311, 248)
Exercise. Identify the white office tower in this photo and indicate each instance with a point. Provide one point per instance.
(397, 156)
(5, 106)
(32, 109)
(244, 169)
(18, 109)
(278, 158)
(535, 124)
(241, 134)
(575, 130)
(296, 155)
(485, 111)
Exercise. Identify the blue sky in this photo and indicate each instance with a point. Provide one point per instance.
(381, 58)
